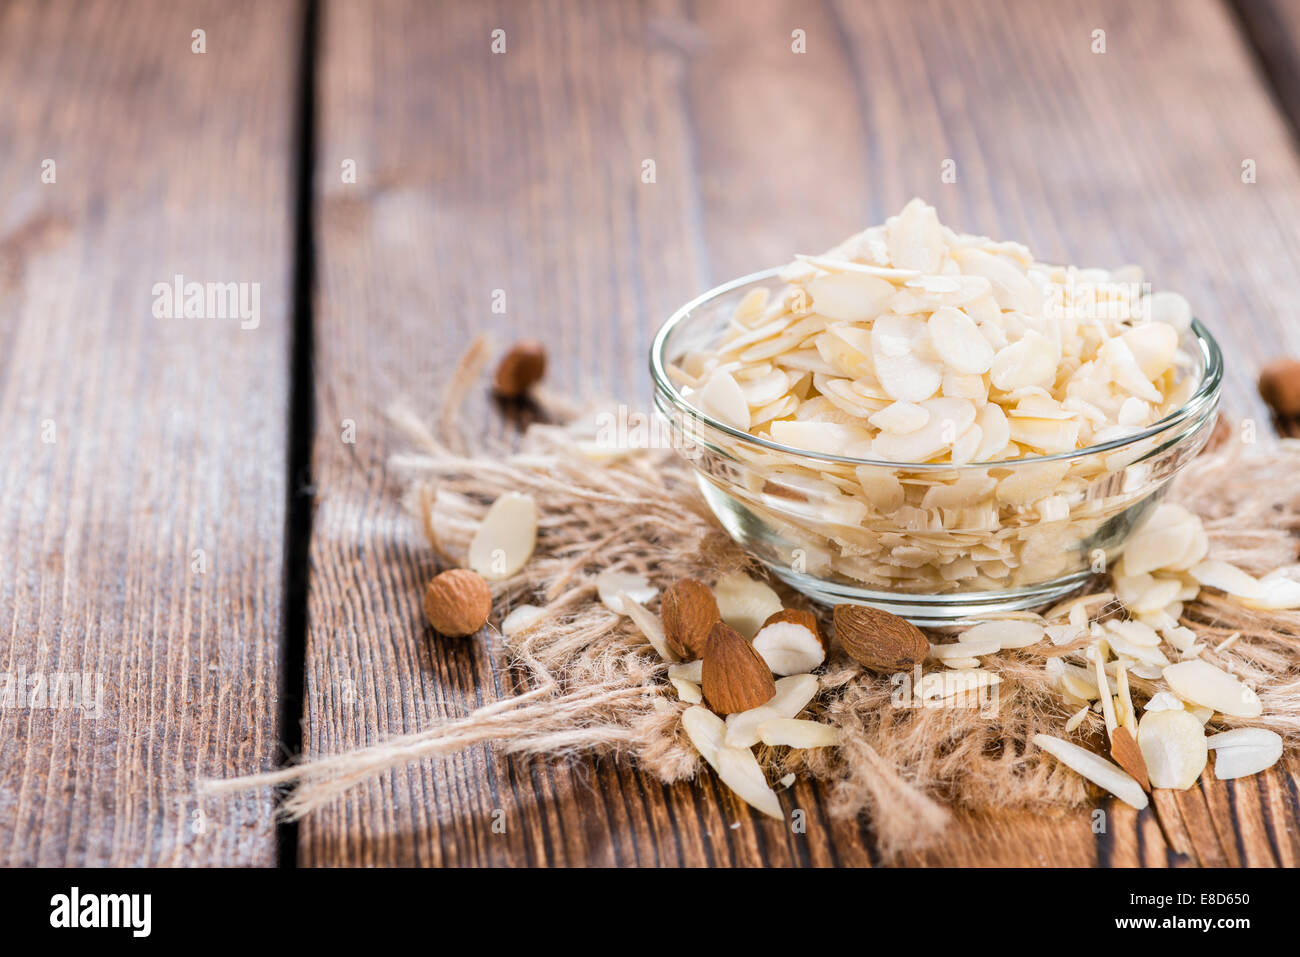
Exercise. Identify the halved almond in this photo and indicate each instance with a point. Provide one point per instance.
(790, 642)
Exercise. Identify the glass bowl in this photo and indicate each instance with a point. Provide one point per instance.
(935, 543)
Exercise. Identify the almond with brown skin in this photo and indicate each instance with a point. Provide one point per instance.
(688, 610)
(520, 369)
(797, 616)
(1279, 386)
(790, 642)
(458, 602)
(1128, 756)
(879, 640)
(735, 677)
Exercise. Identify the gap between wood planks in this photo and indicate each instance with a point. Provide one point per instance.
(300, 487)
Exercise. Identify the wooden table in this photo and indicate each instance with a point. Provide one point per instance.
(185, 514)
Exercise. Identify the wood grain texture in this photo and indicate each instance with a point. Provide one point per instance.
(521, 172)
(130, 441)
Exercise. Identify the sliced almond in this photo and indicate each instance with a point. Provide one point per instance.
(851, 296)
(1244, 751)
(1008, 633)
(1225, 577)
(736, 767)
(798, 733)
(504, 539)
(964, 648)
(745, 603)
(613, 582)
(1203, 684)
(1076, 719)
(520, 618)
(1173, 747)
(792, 695)
(688, 691)
(948, 684)
(649, 625)
(722, 398)
(1098, 770)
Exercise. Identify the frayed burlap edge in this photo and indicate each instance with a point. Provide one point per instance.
(593, 684)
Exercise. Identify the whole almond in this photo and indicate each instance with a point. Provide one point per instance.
(735, 677)
(689, 610)
(520, 369)
(879, 640)
(458, 602)
(1279, 386)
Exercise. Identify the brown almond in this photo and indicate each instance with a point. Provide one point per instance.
(879, 640)
(458, 602)
(1279, 386)
(796, 616)
(1128, 756)
(520, 369)
(735, 676)
(689, 610)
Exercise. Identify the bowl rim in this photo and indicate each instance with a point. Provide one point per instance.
(1204, 398)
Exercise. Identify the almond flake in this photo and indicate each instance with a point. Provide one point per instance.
(649, 624)
(611, 582)
(745, 603)
(792, 695)
(797, 733)
(1173, 747)
(1008, 633)
(1110, 777)
(504, 539)
(1244, 751)
(520, 618)
(1203, 684)
(736, 767)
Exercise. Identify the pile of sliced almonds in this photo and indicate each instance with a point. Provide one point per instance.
(1163, 566)
(911, 343)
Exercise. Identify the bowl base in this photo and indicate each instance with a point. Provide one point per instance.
(935, 611)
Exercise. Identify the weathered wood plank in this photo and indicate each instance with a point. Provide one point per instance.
(142, 459)
(522, 172)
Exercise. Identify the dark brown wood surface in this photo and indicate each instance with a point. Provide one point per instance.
(132, 442)
(520, 172)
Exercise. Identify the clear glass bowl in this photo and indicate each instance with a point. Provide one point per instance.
(937, 544)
